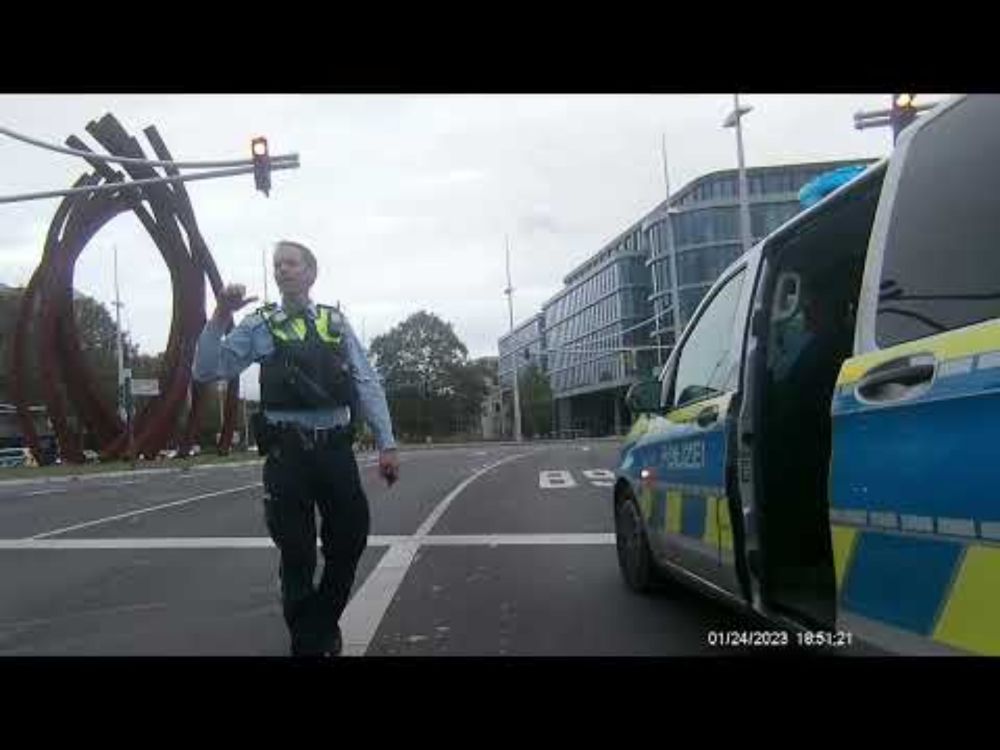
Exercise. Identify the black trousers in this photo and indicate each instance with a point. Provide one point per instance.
(298, 480)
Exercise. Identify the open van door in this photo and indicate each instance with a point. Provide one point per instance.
(915, 466)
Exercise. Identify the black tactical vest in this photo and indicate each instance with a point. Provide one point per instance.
(309, 367)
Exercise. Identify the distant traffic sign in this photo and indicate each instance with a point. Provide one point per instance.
(145, 387)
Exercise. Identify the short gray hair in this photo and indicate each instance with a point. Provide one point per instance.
(307, 254)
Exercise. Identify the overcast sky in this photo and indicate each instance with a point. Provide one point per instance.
(404, 198)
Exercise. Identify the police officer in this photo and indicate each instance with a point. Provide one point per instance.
(315, 381)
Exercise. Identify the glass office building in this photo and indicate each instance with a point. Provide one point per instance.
(527, 343)
(622, 297)
(706, 233)
(589, 328)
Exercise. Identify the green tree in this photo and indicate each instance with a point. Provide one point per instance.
(431, 386)
(536, 401)
(10, 300)
(472, 381)
(419, 353)
(95, 330)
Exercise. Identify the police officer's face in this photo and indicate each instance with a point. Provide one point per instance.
(291, 272)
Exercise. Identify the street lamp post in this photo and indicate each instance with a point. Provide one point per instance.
(246, 426)
(124, 374)
(734, 119)
(509, 291)
(675, 300)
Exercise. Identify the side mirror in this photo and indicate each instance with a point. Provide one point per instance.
(643, 397)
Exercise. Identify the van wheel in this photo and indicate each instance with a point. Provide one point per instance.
(634, 558)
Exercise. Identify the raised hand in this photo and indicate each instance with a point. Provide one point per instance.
(231, 299)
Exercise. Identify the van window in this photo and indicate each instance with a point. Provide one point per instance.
(707, 364)
(942, 258)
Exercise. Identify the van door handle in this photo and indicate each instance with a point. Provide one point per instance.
(906, 372)
(707, 416)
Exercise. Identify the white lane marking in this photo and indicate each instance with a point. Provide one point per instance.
(364, 612)
(44, 492)
(368, 606)
(132, 513)
(222, 542)
(428, 524)
(495, 540)
(263, 542)
(561, 479)
(555, 479)
(600, 477)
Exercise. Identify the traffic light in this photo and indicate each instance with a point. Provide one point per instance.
(904, 112)
(261, 164)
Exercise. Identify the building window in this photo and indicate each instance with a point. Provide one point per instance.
(689, 299)
(766, 217)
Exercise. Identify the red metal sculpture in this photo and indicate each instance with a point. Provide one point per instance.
(165, 211)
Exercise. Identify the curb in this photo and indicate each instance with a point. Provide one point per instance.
(129, 473)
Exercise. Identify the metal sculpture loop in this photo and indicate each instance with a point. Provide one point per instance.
(165, 211)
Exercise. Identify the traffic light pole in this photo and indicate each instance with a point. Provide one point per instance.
(735, 120)
(901, 114)
(150, 181)
(260, 165)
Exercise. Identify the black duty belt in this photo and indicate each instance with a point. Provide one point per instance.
(311, 437)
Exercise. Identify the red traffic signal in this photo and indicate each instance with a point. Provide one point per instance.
(261, 164)
(903, 112)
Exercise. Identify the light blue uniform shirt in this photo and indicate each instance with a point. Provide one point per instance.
(221, 357)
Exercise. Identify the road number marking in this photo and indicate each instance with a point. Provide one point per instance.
(555, 480)
(600, 477)
(561, 479)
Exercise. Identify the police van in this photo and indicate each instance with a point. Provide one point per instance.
(822, 446)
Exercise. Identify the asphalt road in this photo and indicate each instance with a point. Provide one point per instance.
(478, 551)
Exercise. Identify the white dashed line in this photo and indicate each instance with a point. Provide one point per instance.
(222, 542)
(368, 606)
(133, 513)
